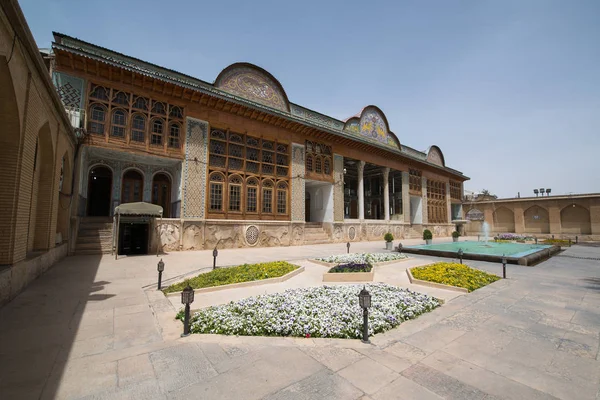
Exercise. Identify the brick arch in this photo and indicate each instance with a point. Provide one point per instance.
(504, 220)
(536, 220)
(10, 141)
(575, 219)
(43, 191)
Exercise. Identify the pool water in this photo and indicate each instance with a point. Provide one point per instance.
(490, 248)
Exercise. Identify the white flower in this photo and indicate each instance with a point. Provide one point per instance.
(324, 311)
(362, 258)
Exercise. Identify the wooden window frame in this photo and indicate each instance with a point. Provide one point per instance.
(114, 124)
(317, 154)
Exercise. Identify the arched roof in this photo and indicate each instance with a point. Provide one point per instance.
(435, 156)
(372, 124)
(253, 83)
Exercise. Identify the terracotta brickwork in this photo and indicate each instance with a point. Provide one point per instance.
(558, 216)
(38, 145)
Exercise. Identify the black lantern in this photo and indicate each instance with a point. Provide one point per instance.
(536, 240)
(348, 247)
(399, 247)
(504, 261)
(215, 254)
(364, 300)
(460, 255)
(160, 267)
(187, 298)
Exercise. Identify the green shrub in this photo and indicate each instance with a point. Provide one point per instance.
(558, 242)
(455, 234)
(388, 237)
(454, 274)
(241, 273)
(427, 235)
(351, 267)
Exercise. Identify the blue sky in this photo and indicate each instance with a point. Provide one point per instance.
(509, 89)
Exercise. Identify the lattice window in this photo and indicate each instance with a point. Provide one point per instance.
(138, 128)
(415, 182)
(455, 190)
(99, 92)
(97, 119)
(141, 103)
(240, 155)
(437, 208)
(158, 126)
(175, 112)
(119, 122)
(282, 195)
(121, 98)
(174, 131)
(216, 192)
(251, 195)
(158, 108)
(318, 160)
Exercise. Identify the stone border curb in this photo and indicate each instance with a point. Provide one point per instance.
(379, 264)
(349, 276)
(283, 278)
(416, 281)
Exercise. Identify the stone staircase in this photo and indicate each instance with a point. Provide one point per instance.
(416, 232)
(314, 233)
(94, 236)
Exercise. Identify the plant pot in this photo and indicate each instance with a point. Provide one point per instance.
(455, 239)
(389, 245)
(428, 241)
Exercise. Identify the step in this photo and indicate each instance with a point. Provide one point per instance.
(95, 219)
(95, 226)
(94, 233)
(318, 241)
(91, 252)
(93, 246)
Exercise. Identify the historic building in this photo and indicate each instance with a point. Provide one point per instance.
(234, 163)
(562, 216)
(38, 148)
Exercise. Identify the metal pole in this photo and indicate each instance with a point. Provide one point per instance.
(365, 337)
(576, 239)
(186, 321)
(159, 279)
(569, 242)
(117, 242)
(504, 270)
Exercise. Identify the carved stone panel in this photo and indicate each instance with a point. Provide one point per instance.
(338, 188)
(194, 168)
(298, 184)
(193, 237)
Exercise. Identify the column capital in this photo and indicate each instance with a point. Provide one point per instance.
(361, 166)
(386, 172)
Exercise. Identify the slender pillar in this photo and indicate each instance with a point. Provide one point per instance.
(361, 190)
(406, 196)
(386, 193)
(448, 203)
(424, 201)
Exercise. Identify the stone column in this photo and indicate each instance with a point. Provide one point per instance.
(594, 216)
(554, 218)
(298, 183)
(361, 190)
(424, 201)
(519, 218)
(338, 188)
(386, 193)
(406, 196)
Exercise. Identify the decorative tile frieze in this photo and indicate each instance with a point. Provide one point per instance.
(298, 183)
(338, 188)
(194, 168)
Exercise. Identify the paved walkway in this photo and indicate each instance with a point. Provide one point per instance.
(93, 328)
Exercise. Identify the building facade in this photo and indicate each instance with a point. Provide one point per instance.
(38, 151)
(234, 163)
(550, 216)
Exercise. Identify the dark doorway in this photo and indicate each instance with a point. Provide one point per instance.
(133, 187)
(161, 193)
(99, 191)
(133, 238)
(307, 207)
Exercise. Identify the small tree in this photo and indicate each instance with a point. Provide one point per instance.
(388, 237)
(427, 235)
(455, 234)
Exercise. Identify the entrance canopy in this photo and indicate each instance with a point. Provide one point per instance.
(139, 209)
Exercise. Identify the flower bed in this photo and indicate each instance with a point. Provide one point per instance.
(454, 274)
(351, 267)
(241, 273)
(558, 242)
(512, 236)
(324, 311)
(362, 258)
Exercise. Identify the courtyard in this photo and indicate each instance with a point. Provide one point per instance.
(95, 327)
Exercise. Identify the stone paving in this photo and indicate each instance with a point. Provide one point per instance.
(95, 328)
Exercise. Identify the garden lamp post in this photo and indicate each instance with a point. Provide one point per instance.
(504, 266)
(399, 247)
(160, 267)
(215, 254)
(364, 300)
(460, 255)
(576, 239)
(536, 240)
(187, 298)
(569, 242)
(348, 247)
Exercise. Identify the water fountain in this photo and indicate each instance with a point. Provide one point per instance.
(485, 230)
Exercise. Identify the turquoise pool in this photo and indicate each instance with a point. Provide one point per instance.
(489, 248)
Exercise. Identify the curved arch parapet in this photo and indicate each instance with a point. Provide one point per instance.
(372, 125)
(435, 156)
(253, 83)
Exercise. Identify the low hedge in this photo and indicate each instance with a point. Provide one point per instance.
(351, 267)
(558, 242)
(241, 273)
(454, 274)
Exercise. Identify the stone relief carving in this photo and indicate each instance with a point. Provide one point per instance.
(224, 236)
(338, 233)
(169, 237)
(297, 234)
(363, 231)
(379, 230)
(273, 236)
(192, 237)
(351, 233)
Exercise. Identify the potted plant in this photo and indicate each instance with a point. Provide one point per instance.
(427, 236)
(455, 236)
(388, 237)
